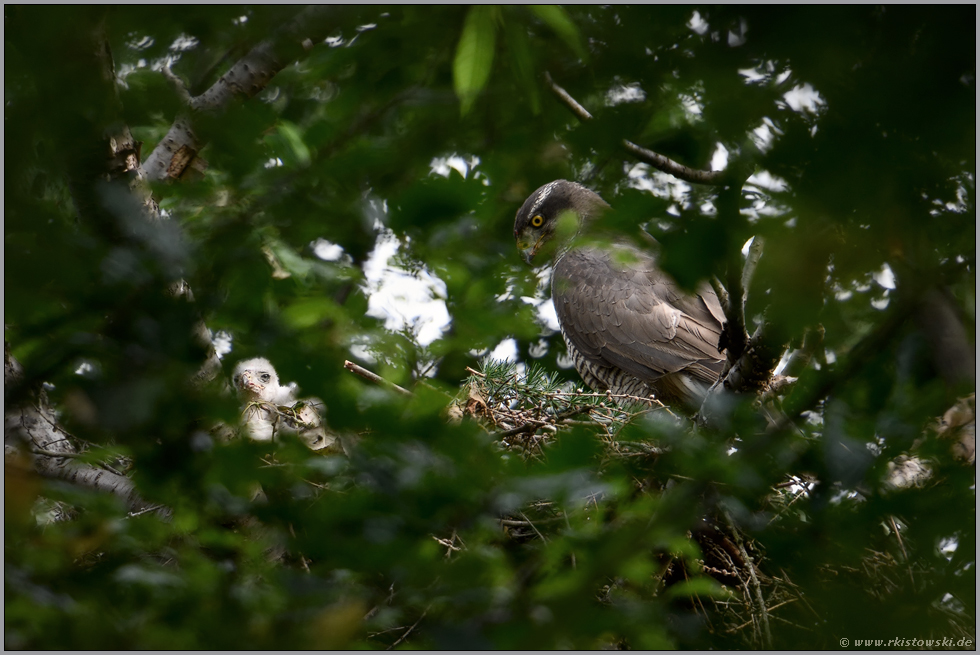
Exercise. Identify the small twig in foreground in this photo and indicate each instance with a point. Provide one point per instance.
(374, 377)
(761, 604)
(409, 631)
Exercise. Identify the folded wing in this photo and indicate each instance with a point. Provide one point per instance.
(625, 313)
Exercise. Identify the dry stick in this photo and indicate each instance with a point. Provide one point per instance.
(764, 614)
(901, 544)
(658, 161)
(523, 524)
(799, 593)
(149, 509)
(448, 544)
(697, 598)
(374, 377)
(409, 631)
(533, 527)
(785, 602)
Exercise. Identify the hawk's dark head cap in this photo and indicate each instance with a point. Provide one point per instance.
(537, 219)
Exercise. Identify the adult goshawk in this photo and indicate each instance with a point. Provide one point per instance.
(628, 327)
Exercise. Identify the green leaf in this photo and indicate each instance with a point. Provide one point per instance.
(296, 148)
(700, 586)
(520, 53)
(474, 54)
(558, 20)
(308, 312)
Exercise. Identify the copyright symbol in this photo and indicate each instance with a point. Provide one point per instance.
(844, 642)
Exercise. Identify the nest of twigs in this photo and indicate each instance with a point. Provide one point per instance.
(525, 410)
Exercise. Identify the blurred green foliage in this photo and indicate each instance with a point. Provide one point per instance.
(859, 122)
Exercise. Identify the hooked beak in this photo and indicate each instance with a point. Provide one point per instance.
(250, 384)
(528, 251)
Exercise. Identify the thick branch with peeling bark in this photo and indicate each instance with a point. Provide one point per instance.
(108, 184)
(247, 77)
(112, 193)
(31, 432)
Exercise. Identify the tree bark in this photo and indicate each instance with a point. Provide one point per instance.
(31, 434)
(247, 77)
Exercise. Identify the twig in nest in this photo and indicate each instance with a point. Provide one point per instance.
(514, 523)
(901, 544)
(374, 377)
(530, 426)
(533, 527)
(146, 510)
(757, 588)
(409, 631)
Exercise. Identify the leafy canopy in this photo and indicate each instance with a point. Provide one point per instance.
(424, 128)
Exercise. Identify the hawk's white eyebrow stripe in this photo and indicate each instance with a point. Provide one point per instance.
(545, 192)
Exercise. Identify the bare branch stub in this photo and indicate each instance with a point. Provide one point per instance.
(566, 97)
(374, 377)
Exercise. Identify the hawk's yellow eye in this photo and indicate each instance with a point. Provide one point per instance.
(537, 221)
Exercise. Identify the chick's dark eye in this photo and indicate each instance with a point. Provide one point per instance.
(265, 377)
(537, 221)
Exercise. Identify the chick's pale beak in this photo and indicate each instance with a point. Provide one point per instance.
(250, 383)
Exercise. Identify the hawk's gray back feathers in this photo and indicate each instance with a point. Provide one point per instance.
(627, 325)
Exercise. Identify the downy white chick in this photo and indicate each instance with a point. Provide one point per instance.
(271, 408)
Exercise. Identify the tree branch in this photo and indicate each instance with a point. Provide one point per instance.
(671, 167)
(658, 161)
(247, 77)
(374, 377)
(178, 84)
(31, 429)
